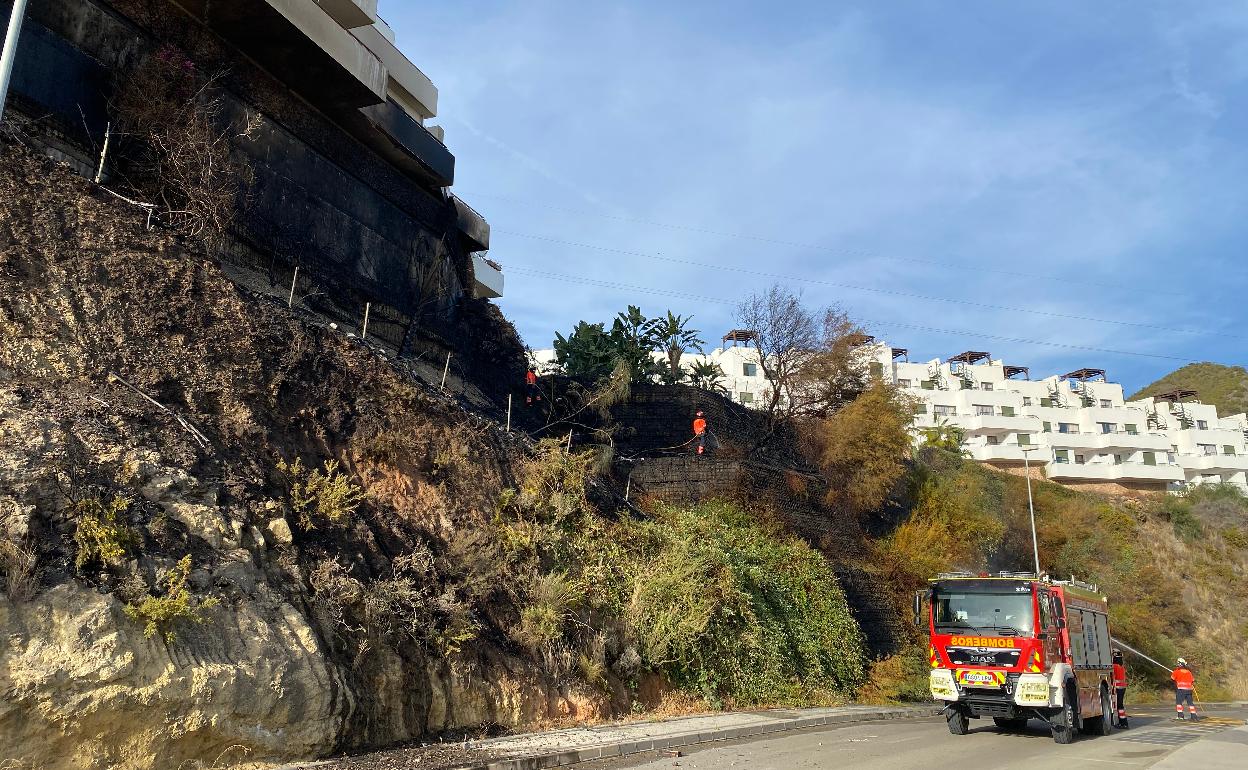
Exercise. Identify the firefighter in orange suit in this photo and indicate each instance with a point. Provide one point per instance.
(532, 392)
(1184, 690)
(699, 432)
(1120, 688)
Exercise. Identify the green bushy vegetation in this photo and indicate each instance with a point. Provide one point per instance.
(717, 600)
(160, 614)
(101, 533)
(1166, 562)
(323, 493)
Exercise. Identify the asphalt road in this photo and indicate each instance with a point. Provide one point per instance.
(927, 743)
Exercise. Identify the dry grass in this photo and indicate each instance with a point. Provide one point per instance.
(19, 567)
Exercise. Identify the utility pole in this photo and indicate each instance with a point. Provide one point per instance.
(10, 51)
(1031, 508)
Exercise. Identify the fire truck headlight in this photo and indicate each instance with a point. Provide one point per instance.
(942, 686)
(1032, 690)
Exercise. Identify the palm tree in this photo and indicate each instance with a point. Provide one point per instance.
(707, 375)
(673, 337)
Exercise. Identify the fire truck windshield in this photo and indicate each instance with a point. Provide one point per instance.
(1000, 612)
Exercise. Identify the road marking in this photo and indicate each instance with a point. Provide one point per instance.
(1111, 761)
(904, 740)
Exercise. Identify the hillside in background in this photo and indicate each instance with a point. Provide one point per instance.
(1226, 387)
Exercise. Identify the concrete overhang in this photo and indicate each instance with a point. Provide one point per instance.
(408, 86)
(487, 279)
(351, 13)
(300, 43)
(473, 228)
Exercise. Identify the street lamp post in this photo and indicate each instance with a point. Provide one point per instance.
(10, 51)
(1031, 508)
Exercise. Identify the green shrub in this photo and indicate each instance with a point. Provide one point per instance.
(101, 534)
(327, 493)
(159, 614)
(551, 601)
(737, 612)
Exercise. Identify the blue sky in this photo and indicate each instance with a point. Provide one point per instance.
(971, 175)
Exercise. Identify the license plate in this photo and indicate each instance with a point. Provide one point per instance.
(972, 678)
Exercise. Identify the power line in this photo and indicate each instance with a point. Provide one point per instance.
(865, 321)
(872, 289)
(801, 245)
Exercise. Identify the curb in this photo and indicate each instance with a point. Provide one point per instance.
(611, 750)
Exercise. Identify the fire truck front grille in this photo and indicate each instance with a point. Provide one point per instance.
(972, 656)
(991, 708)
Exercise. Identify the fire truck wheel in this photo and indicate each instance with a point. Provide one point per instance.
(1063, 722)
(959, 722)
(1012, 725)
(1103, 724)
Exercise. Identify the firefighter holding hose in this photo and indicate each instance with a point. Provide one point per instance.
(1184, 689)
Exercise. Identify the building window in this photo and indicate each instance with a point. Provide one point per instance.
(944, 410)
(746, 398)
(1046, 402)
(1202, 425)
(1206, 449)
(1227, 449)
(903, 383)
(1119, 459)
(986, 385)
(1150, 458)
(749, 370)
(1132, 430)
(1048, 427)
(1061, 457)
(1024, 439)
(877, 368)
(920, 408)
(1026, 400)
(994, 440)
(1106, 403)
(1067, 427)
(927, 385)
(1170, 458)
(1079, 459)
(1007, 411)
(1107, 427)
(982, 410)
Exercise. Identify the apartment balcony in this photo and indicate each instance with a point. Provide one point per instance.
(301, 44)
(1009, 453)
(1154, 442)
(993, 424)
(1217, 463)
(1113, 472)
(397, 137)
(473, 229)
(351, 13)
(487, 279)
(1076, 440)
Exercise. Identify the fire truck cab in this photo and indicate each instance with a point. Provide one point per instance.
(1014, 647)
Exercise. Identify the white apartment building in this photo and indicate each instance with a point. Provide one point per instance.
(1075, 429)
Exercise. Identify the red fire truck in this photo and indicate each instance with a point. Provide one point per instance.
(1014, 646)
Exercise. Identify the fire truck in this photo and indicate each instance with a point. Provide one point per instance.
(1017, 646)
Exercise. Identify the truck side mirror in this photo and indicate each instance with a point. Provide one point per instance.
(918, 608)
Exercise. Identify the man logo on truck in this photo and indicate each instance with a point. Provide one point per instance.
(1018, 647)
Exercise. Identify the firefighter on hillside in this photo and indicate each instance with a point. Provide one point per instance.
(1184, 689)
(532, 392)
(1120, 688)
(699, 432)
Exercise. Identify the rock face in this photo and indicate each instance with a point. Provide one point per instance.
(307, 643)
